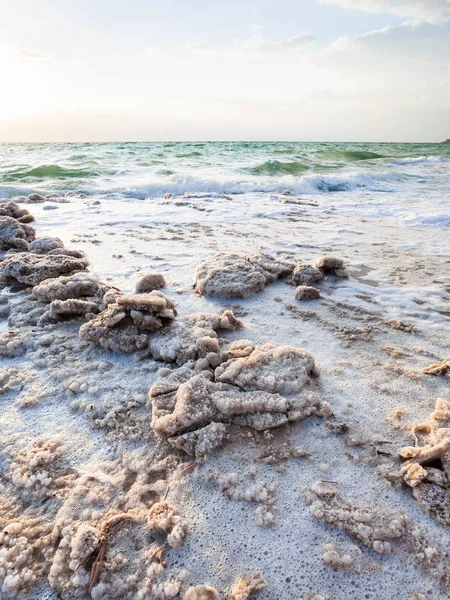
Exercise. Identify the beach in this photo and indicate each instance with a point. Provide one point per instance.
(325, 470)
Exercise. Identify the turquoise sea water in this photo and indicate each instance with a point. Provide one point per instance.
(143, 170)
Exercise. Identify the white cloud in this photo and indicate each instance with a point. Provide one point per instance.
(431, 11)
(258, 45)
(199, 47)
(34, 55)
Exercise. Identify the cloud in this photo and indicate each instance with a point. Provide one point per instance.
(431, 11)
(258, 45)
(405, 48)
(199, 47)
(35, 55)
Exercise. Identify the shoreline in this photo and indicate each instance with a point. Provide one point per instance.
(367, 370)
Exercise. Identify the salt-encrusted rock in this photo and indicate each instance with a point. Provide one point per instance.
(9, 208)
(73, 307)
(306, 275)
(247, 585)
(192, 337)
(231, 275)
(262, 390)
(306, 292)
(35, 199)
(32, 269)
(430, 486)
(201, 442)
(15, 235)
(125, 325)
(283, 369)
(333, 265)
(202, 592)
(44, 245)
(150, 282)
(78, 285)
(272, 268)
(11, 344)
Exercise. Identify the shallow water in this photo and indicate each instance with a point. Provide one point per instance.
(144, 170)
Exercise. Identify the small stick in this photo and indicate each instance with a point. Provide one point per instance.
(188, 468)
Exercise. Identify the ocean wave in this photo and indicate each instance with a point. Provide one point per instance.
(44, 172)
(417, 160)
(307, 184)
(277, 167)
(352, 155)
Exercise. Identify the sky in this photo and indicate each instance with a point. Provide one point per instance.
(148, 70)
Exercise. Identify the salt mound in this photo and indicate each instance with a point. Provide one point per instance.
(11, 209)
(125, 325)
(283, 369)
(192, 337)
(262, 390)
(32, 269)
(78, 285)
(306, 275)
(306, 292)
(231, 275)
(333, 265)
(426, 470)
(150, 282)
(44, 245)
(15, 235)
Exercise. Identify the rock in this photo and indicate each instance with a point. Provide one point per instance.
(332, 265)
(305, 292)
(78, 285)
(32, 269)
(263, 390)
(9, 208)
(150, 282)
(231, 275)
(15, 235)
(44, 245)
(35, 199)
(306, 275)
(125, 325)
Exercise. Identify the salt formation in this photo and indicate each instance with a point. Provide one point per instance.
(440, 368)
(150, 282)
(306, 292)
(246, 488)
(333, 557)
(32, 269)
(44, 245)
(306, 274)
(91, 534)
(247, 585)
(126, 324)
(202, 592)
(80, 294)
(261, 388)
(163, 516)
(11, 344)
(427, 468)
(379, 528)
(375, 527)
(9, 208)
(331, 264)
(231, 275)
(192, 337)
(15, 235)
(78, 285)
